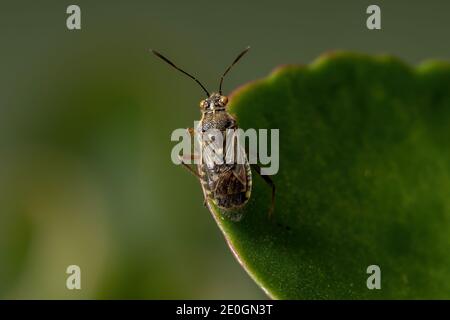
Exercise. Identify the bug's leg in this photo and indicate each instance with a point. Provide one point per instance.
(194, 157)
(189, 158)
(195, 173)
(269, 181)
(187, 166)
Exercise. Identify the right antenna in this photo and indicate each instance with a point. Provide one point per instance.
(229, 68)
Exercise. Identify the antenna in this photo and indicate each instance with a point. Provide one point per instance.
(231, 65)
(159, 55)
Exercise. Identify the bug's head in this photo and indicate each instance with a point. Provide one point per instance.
(215, 102)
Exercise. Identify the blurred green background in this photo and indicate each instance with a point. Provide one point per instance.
(85, 124)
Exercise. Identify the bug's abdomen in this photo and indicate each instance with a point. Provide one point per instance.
(228, 186)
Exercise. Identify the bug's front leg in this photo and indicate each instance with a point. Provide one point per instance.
(270, 182)
(191, 131)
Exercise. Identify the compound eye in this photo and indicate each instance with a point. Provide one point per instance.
(203, 104)
(223, 100)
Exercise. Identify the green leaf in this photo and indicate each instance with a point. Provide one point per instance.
(364, 180)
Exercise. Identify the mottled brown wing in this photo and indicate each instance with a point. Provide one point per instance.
(240, 173)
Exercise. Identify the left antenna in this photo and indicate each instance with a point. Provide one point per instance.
(159, 55)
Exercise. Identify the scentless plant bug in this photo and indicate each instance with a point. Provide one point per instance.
(227, 185)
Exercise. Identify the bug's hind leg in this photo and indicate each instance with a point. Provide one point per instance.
(269, 181)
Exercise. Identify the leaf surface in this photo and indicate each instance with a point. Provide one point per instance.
(364, 179)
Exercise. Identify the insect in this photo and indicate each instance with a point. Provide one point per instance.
(227, 185)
